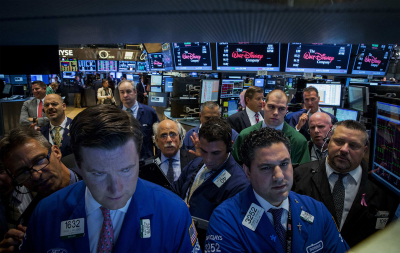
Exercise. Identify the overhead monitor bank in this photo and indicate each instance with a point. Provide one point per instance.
(192, 56)
(372, 59)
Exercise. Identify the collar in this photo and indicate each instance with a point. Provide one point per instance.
(176, 157)
(38, 100)
(280, 127)
(250, 112)
(355, 174)
(266, 205)
(92, 205)
(63, 124)
(135, 104)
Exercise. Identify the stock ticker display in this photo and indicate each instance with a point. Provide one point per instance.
(386, 164)
(192, 56)
(318, 58)
(68, 64)
(105, 65)
(372, 59)
(248, 56)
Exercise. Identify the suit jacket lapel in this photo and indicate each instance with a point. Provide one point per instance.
(66, 138)
(140, 111)
(245, 119)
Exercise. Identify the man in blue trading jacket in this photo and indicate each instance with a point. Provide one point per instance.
(299, 120)
(267, 217)
(209, 110)
(146, 115)
(112, 210)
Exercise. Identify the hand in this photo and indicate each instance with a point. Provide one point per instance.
(302, 120)
(109, 96)
(12, 239)
(145, 94)
(196, 144)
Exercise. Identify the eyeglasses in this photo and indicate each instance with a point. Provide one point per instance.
(165, 136)
(24, 175)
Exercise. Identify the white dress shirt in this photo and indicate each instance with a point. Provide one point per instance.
(266, 205)
(176, 164)
(252, 116)
(37, 108)
(134, 109)
(280, 127)
(63, 125)
(316, 153)
(95, 219)
(351, 185)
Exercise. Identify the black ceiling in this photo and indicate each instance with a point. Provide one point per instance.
(124, 21)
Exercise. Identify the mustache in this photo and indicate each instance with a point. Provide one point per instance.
(169, 145)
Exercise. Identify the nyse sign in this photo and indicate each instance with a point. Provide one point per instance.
(65, 53)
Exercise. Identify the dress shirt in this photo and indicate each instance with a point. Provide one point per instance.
(266, 205)
(95, 219)
(351, 185)
(63, 125)
(252, 116)
(316, 153)
(134, 109)
(37, 107)
(280, 127)
(21, 201)
(176, 164)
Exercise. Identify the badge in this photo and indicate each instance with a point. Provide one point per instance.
(315, 247)
(381, 223)
(145, 231)
(72, 228)
(253, 217)
(221, 178)
(307, 217)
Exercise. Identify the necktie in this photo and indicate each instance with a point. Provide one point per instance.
(338, 197)
(279, 229)
(40, 109)
(106, 239)
(200, 179)
(170, 173)
(257, 118)
(57, 136)
(129, 110)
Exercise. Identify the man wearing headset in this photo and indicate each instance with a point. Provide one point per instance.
(320, 127)
(168, 137)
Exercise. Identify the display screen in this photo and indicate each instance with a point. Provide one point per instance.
(156, 62)
(43, 78)
(386, 153)
(192, 56)
(259, 82)
(330, 110)
(142, 66)
(166, 50)
(157, 99)
(129, 77)
(343, 114)
(18, 79)
(209, 90)
(248, 56)
(105, 65)
(87, 65)
(156, 80)
(372, 59)
(68, 64)
(231, 88)
(168, 81)
(7, 79)
(68, 74)
(124, 66)
(7, 89)
(329, 94)
(232, 107)
(155, 89)
(318, 58)
(357, 100)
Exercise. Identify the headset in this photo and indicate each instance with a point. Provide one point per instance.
(326, 140)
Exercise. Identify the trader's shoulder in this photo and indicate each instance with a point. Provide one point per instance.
(162, 196)
(249, 129)
(147, 108)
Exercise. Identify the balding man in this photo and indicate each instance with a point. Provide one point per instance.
(320, 127)
(57, 130)
(275, 109)
(168, 137)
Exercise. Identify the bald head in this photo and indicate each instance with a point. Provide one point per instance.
(54, 109)
(319, 123)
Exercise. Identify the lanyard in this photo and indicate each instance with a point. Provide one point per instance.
(289, 231)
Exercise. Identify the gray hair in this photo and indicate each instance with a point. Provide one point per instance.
(210, 105)
(181, 132)
(354, 125)
(128, 81)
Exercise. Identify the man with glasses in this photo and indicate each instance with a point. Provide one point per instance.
(30, 160)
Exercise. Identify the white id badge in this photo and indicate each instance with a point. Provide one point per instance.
(253, 217)
(145, 231)
(381, 223)
(221, 178)
(307, 217)
(72, 228)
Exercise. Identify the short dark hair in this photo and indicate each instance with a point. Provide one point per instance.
(40, 83)
(209, 104)
(18, 136)
(251, 92)
(261, 138)
(310, 89)
(104, 126)
(216, 129)
(280, 94)
(103, 81)
(354, 125)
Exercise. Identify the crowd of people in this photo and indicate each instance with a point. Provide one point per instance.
(264, 180)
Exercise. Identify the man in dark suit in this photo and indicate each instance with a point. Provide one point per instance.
(252, 114)
(341, 182)
(97, 84)
(32, 110)
(168, 137)
(141, 90)
(299, 120)
(57, 130)
(146, 115)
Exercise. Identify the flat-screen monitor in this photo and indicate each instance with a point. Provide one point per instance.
(106, 65)
(372, 59)
(7, 79)
(156, 62)
(43, 78)
(331, 110)
(231, 88)
(129, 77)
(385, 137)
(18, 90)
(136, 78)
(318, 58)
(18, 79)
(182, 85)
(87, 65)
(168, 82)
(248, 56)
(329, 94)
(167, 55)
(259, 82)
(125, 66)
(157, 99)
(119, 75)
(232, 107)
(68, 64)
(69, 74)
(358, 98)
(345, 114)
(7, 89)
(209, 90)
(142, 66)
(156, 89)
(156, 80)
(192, 56)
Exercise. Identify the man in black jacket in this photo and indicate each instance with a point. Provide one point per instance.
(141, 90)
